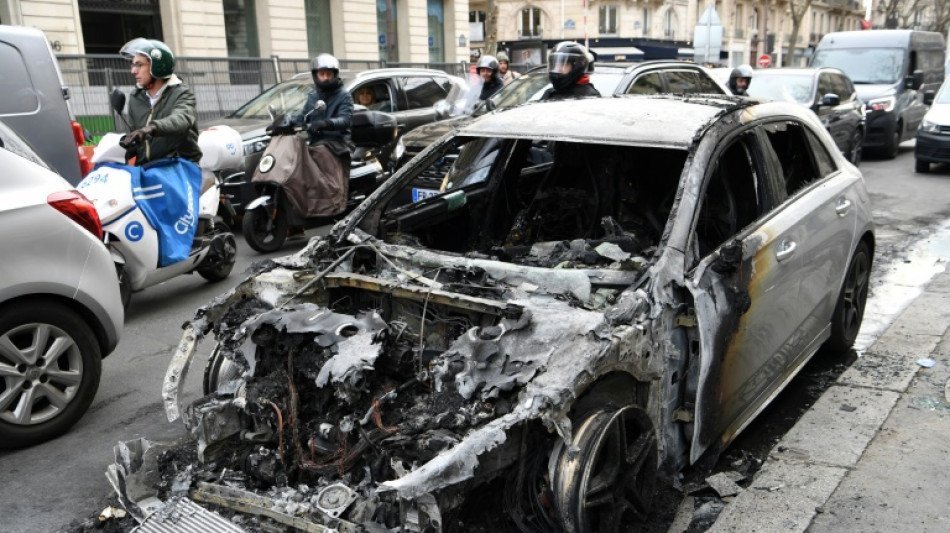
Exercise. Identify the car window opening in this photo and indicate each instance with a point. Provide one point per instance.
(544, 203)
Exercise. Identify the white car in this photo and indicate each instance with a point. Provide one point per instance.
(60, 310)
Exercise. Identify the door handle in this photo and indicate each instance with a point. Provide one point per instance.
(785, 250)
(842, 206)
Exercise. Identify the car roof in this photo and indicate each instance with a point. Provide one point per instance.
(790, 71)
(382, 72)
(627, 119)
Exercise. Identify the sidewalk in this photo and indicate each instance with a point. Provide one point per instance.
(873, 453)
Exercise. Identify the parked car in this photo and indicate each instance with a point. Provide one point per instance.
(826, 91)
(408, 94)
(933, 137)
(891, 69)
(60, 309)
(610, 289)
(649, 77)
(35, 101)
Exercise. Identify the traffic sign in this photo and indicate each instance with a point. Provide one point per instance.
(765, 61)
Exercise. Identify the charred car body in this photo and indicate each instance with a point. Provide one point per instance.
(583, 313)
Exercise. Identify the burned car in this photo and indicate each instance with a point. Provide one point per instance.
(602, 296)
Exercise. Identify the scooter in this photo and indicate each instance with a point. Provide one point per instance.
(268, 217)
(134, 241)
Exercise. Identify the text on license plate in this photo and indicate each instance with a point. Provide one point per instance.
(422, 194)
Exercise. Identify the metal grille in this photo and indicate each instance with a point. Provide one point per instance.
(221, 84)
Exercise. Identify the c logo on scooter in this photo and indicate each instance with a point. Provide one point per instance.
(267, 163)
(133, 231)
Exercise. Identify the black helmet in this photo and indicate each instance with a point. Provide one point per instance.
(742, 71)
(326, 62)
(487, 62)
(567, 63)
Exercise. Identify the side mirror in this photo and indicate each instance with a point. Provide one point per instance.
(117, 100)
(915, 80)
(490, 104)
(830, 99)
(929, 97)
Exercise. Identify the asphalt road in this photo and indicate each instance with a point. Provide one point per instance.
(47, 486)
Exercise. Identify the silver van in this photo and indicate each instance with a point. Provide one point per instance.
(34, 101)
(891, 70)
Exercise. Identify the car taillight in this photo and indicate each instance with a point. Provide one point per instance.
(85, 165)
(77, 207)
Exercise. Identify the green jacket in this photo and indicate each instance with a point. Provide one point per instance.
(175, 120)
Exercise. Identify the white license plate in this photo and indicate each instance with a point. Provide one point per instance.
(422, 194)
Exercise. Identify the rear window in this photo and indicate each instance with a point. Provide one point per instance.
(13, 143)
(19, 96)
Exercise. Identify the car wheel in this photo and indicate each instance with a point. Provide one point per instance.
(222, 257)
(849, 310)
(857, 139)
(219, 370)
(51, 364)
(263, 233)
(606, 478)
(892, 148)
(921, 167)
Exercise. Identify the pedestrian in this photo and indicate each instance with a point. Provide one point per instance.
(507, 75)
(569, 64)
(490, 78)
(739, 80)
(162, 111)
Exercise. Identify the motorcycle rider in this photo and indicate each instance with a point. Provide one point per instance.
(568, 66)
(739, 80)
(161, 107)
(491, 81)
(333, 123)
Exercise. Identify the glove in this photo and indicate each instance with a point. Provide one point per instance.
(136, 137)
(317, 126)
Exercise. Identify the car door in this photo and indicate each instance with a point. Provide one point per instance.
(744, 287)
(823, 199)
(419, 96)
(831, 116)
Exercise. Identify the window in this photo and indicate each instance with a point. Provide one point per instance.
(386, 27)
(826, 85)
(649, 83)
(476, 26)
(531, 22)
(690, 82)
(240, 28)
(608, 20)
(646, 22)
(374, 96)
(793, 150)
(423, 91)
(319, 30)
(436, 31)
(731, 199)
(669, 24)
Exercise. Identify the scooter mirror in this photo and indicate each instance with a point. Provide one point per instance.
(321, 105)
(117, 99)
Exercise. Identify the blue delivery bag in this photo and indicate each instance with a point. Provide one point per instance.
(167, 192)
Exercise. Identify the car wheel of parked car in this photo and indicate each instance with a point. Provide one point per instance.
(263, 233)
(223, 260)
(610, 481)
(921, 167)
(857, 139)
(51, 365)
(892, 148)
(849, 311)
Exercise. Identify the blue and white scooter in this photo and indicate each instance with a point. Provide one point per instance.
(142, 243)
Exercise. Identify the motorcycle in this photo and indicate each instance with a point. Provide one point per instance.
(279, 179)
(139, 245)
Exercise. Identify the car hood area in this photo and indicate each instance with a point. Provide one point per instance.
(323, 412)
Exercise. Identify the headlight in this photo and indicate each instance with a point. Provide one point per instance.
(929, 126)
(881, 104)
(254, 146)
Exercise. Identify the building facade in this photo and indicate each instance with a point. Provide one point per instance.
(648, 29)
(414, 31)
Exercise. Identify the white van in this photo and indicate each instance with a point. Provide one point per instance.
(35, 102)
